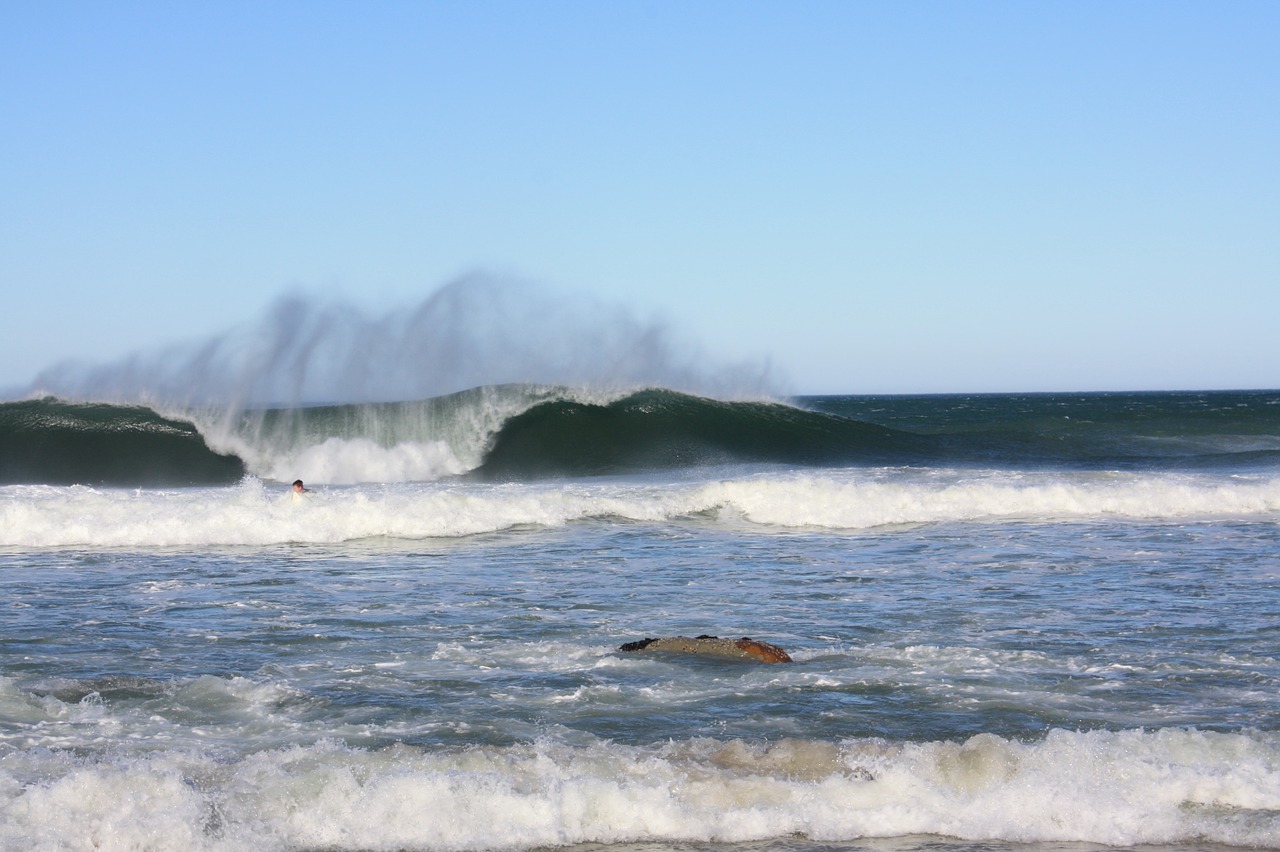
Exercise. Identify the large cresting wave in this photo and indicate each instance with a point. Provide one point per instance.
(525, 432)
(494, 433)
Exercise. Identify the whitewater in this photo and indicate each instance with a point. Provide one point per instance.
(1034, 622)
(256, 513)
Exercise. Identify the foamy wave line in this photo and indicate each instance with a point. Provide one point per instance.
(254, 513)
(886, 498)
(1123, 788)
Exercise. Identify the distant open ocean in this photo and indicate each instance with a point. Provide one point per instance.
(1034, 622)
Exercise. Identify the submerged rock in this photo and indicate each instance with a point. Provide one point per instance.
(713, 646)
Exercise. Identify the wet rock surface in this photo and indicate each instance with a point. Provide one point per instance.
(746, 648)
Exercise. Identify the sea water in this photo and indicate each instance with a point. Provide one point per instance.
(1039, 623)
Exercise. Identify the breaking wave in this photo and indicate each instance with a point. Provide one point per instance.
(529, 432)
(1121, 789)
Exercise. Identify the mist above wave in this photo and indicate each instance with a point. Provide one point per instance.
(478, 330)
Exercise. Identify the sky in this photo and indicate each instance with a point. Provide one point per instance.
(868, 197)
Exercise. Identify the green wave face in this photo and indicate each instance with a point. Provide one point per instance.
(657, 429)
(54, 442)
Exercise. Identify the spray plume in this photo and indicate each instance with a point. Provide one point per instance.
(478, 330)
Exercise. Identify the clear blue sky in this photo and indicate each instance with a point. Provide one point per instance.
(877, 197)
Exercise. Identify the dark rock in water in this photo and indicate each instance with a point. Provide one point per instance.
(713, 646)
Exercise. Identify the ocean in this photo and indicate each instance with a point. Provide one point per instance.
(1043, 622)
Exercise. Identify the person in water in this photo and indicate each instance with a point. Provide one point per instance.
(298, 487)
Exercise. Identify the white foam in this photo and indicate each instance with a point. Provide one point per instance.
(255, 513)
(424, 440)
(1123, 789)
(844, 500)
(345, 462)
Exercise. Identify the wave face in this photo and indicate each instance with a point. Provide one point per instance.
(62, 443)
(524, 432)
(656, 429)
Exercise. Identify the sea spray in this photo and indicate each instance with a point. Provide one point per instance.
(476, 331)
(419, 440)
